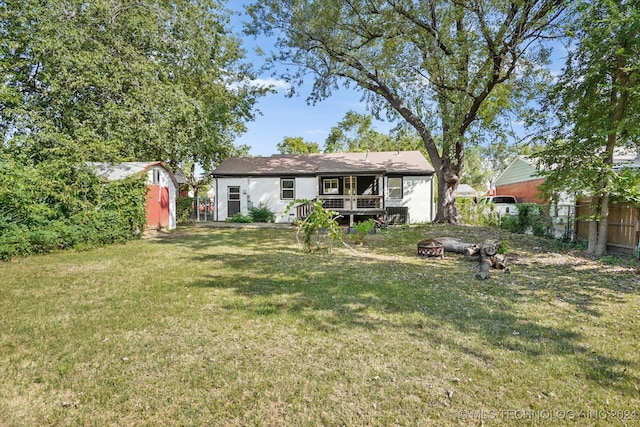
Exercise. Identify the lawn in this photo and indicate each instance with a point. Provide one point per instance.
(238, 327)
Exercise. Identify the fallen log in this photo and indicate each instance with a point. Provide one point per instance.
(487, 251)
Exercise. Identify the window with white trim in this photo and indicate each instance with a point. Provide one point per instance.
(330, 186)
(287, 188)
(394, 186)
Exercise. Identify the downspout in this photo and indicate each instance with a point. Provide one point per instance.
(431, 201)
(216, 200)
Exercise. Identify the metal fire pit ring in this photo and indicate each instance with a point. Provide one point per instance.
(431, 248)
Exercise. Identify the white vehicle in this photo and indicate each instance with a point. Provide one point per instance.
(504, 205)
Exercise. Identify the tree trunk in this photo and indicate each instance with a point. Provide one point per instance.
(593, 226)
(488, 252)
(447, 211)
(603, 229)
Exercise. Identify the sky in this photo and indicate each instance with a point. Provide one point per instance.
(283, 116)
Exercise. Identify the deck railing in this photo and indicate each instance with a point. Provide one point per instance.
(352, 203)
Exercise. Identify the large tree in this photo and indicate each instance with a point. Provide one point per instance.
(597, 106)
(122, 80)
(297, 145)
(355, 132)
(435, 64)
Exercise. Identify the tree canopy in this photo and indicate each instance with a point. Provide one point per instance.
(596, 104)
(444, 67)
(297, 145)
(119, 80)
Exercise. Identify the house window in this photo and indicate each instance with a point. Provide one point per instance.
(330, 186)
(395, 187)
(350, 185)
(156, 176)
(233, 193)
(287, 188)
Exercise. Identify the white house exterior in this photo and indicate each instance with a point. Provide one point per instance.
(398, 185)
(162, 188)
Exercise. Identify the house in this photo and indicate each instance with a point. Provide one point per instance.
(397, 185)
(162, 188)
(521, 180)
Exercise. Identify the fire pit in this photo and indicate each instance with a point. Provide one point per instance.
(430, 248)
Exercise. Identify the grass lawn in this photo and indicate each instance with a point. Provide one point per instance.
(237, 327)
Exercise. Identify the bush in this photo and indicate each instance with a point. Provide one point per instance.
(262, 213)
(530, 220)
(472, 213)
(239, 218)
(58, 205)
(184, 208)
(361, 230)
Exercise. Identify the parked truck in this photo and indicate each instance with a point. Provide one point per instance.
(504, 205)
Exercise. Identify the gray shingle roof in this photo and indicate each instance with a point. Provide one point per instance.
(389, 162)
(115, 172)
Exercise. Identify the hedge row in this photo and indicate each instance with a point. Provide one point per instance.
(56, 205)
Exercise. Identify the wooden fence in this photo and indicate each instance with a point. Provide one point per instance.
(624, 226)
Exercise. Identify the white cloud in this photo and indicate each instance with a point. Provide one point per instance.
(271, 83)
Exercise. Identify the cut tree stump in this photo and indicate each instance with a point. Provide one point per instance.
(487, 251)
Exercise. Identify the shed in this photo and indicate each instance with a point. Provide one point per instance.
(162, 188)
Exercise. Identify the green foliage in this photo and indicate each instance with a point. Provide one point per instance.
(184, 208)
(477, 214)
(530, 219)
(135, 80)
(262, 213)
(504, 246)
(55, 205)
(362, 229)
(319, 224)
(355, 133)
(239, 218)
(297, 145)
(595, 106)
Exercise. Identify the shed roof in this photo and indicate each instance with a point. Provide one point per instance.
(389, 162)
(115, 172)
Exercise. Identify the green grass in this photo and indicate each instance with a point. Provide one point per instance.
(231, 327)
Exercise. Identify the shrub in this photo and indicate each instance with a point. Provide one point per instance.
(262, 213)
(184, 208)
(319, 224)
(530, 219)
(239, 218)
(472, 213)
(58, 205)
(362, 229)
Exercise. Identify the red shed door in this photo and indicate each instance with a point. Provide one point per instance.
(157, 206)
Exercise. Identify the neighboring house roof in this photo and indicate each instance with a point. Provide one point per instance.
(521, 169)
(122, 170)
(466, 190)
(389, 162)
